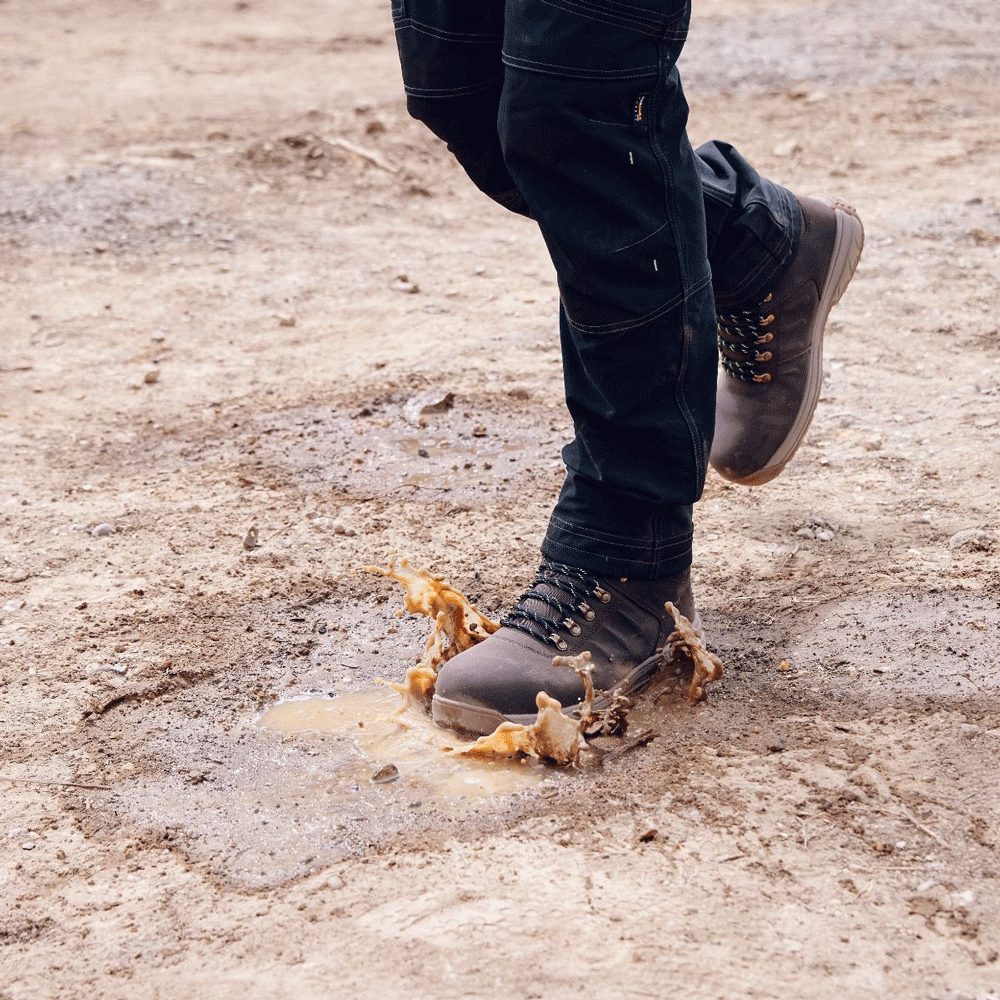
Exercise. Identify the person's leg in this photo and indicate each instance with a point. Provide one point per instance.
(592, 128)
(592, 121)
(593, 131)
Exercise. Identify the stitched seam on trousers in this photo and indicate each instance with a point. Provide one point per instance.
(679, 398)
(472, 88)
(643, 240)
(650, 28)
(622, 541)
(622, 14)
(575, 72)
(449, 36)
(622, 326)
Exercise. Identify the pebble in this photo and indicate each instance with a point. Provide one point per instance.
(403, 284)
(102, 530)
(805, 533)
(13, 605)
(27, 846)
(825, 535)
(385, 774)
(335, 882)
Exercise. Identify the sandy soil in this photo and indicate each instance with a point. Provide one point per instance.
(232, 272)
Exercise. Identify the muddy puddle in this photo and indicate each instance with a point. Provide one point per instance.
(401, 749)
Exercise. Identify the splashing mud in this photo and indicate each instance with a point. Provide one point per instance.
(553, 736)
(684, 644)
(458, 625)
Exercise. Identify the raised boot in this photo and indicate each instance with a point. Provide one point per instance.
(772, 351)
(622, 622)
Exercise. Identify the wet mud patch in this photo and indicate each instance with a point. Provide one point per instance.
(256, 808)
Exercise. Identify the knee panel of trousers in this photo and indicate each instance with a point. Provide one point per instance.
(448, 47)
(594, 39)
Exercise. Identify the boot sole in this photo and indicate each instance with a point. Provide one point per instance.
(848, 244)
(479, 720)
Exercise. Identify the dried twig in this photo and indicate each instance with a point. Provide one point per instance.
(61, 784)
(365, 154)
(903, 813)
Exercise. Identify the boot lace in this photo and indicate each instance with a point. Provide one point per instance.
(743, 334)
(542, 613)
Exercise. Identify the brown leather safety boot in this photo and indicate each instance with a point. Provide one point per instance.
(622, 622)
(772, 352)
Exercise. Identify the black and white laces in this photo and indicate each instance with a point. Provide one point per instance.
(556, 598)
(743, 334)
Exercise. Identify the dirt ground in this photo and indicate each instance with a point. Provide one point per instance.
(233, 271)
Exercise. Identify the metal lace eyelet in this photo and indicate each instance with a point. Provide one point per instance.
(762, 378)
(602, 594)
(766, 339)
(766, 320)
(586, 611)
(766, 356)
(560, 644)
(571, 626)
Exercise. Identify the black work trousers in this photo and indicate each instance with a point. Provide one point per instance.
(571, 112)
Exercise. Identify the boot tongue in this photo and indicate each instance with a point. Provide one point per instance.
(569, 591)
(546, 611)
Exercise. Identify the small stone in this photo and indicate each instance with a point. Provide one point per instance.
(776, 746)
(385, 774)
(805, 533)
(287, 321)
(252, 539)
(425, 403)
(13, 605)
(403, 284)
(102, 530)
(27, 846)
(61, 854)
(650, 834)
(334, 882)
(873, 444)
(151, 377)
(970, 731)
(825, 535)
